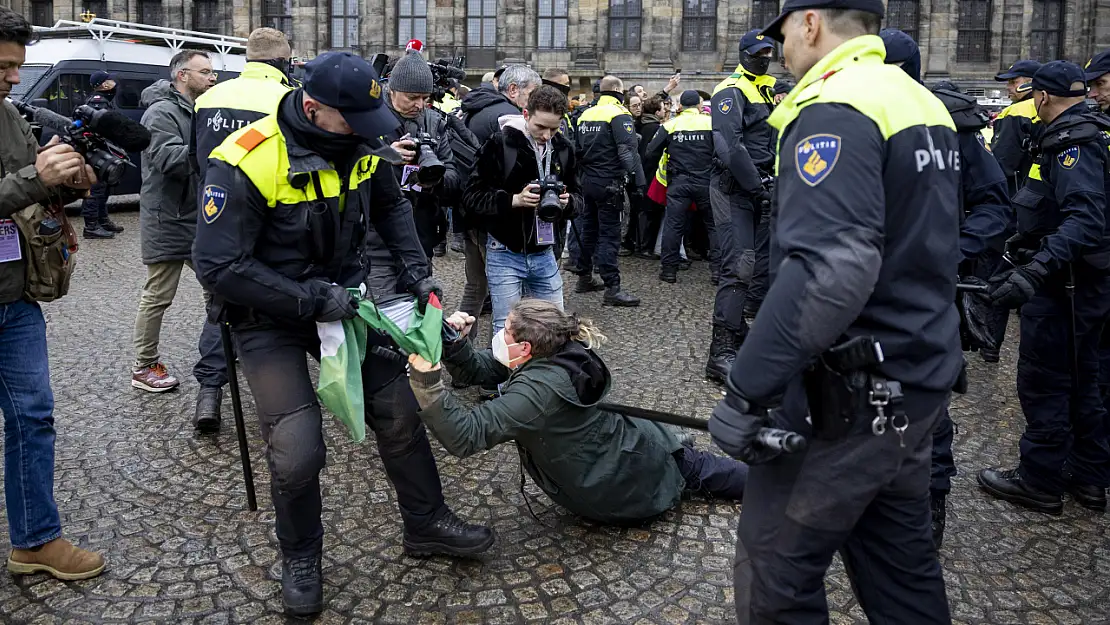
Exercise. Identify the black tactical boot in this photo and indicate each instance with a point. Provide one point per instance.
(207, 419)
(449, 536)
(988, 355)
(668, 275)
(722, 351)
(98, 232)
(302, 586)
(1090, 497)
(940, 514)
(1009, 486)
(614, 296)
(589, 283)
(440, 249)
(110, 225)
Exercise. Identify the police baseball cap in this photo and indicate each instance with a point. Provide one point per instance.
(774, 29)
(350, 85)
(689, 98)
(1022, 69)
(1098, 65)
(1056, 78)
(100, 77)
(753, 42)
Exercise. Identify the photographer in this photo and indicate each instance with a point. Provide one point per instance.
(600, 465)
(28, 176)
(506, 201)
(428, 173)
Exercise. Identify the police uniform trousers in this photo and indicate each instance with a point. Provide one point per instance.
(863, 496)
(735, 218)
(274, 363)
(943, 462)
(761, 264)
(682, 192)
(1060, 440)
(599, 225)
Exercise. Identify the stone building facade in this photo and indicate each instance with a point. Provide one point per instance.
(641, 40)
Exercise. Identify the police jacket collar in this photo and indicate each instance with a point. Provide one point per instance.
(608, 99)
(691, 110)
(261, 71)
(1075, 126)
(866, 49)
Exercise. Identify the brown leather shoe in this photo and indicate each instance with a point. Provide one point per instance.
(59, 558)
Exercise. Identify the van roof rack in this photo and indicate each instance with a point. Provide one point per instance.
(175, 38)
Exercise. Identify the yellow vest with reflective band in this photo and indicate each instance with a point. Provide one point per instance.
(259, 151)
(755, 88)
(854, 74)
(259, 88)
(1035, 168)
(605, 110)
(689, 120)
(1025, 108)
(448, 104)
(661, 171)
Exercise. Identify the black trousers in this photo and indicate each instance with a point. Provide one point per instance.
(599, 225)
(736, 223)
(681, 193)
(291, 421)
(863, 496)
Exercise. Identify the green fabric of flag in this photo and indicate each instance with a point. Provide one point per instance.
(343, 350)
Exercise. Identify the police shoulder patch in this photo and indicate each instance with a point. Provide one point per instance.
(1069, 157)
(215, 198)
(815, 156)
(725, 105)
(629, 128)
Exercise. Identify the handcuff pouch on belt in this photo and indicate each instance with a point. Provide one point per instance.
(844, 385)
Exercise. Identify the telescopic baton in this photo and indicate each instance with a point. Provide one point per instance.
(772, 438)
(237, 408)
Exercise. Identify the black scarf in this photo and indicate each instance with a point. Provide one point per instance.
(330, 146)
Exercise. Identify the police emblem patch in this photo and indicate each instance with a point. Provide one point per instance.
(1069, 157)
(215, 198)
(725, 105)
(375, 89)
(815, 156)
(629, 128)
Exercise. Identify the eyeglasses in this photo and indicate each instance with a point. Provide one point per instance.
(207, 73)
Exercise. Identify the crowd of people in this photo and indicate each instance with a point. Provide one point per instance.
(838, 216)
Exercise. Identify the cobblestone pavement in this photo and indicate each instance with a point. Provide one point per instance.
(168, 508)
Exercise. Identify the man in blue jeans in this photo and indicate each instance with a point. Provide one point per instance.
(28, 177)
(504, 194)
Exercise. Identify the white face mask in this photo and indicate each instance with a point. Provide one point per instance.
(501, 349)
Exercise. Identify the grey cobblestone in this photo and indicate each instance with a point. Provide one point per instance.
(169, 509)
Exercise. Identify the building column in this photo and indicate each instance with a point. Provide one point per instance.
(512, 31)
(939, 36)
(658, 33)
(1100, 27)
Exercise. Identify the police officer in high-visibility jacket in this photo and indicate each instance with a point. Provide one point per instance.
(744, 156)
(864, 252)
(688, 142)
(607, 157)
(1014, 126)
(1061, 282)
(284, 231)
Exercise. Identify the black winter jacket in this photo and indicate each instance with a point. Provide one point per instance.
(482, 108)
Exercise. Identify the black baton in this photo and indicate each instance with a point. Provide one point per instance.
(772, 438)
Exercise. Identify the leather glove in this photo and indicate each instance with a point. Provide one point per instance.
(635, 196)
(1017, 251)
(423, 290)
(1016, 287)
(334, 303)
(734, 426)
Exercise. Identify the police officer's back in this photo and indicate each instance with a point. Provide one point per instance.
(865, 250)
(1061, 282)
(1015, 125)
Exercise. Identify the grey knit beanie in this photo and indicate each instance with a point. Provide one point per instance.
(411, 74)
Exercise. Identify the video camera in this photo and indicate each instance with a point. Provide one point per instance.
(550, 208)
(103, 137)
(443, 72)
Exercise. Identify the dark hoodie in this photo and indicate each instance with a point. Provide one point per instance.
(481, 109)
(597, 464)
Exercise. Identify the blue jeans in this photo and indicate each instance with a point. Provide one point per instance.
(28, 406)
(512, 276)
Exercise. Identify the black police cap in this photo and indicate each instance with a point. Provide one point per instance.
(1022, 69)
(350, 85)
(1098, 65)
(774, 29)
(1056, 78)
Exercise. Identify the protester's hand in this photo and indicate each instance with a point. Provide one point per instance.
(734, 426)
(59, 164)
(423, 291)
(405, 148)
(528, 198)
(417, 363)
(672, 84)
(462, 322)
(334, 303)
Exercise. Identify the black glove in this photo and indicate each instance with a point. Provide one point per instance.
(334, 303)
(734, 426)
(1017, 249)
(423, 290)
(1014, 288)
(636, 196)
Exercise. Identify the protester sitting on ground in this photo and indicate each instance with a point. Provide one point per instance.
(598, 464)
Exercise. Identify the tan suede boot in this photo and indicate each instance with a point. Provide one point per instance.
(59, 558)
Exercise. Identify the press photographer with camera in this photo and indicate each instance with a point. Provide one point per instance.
(428, 174)
(30, 178)
(598, 464)
(525, 183)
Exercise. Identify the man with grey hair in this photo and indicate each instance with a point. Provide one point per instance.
(167, 206)
(483, 108)
(220, 111)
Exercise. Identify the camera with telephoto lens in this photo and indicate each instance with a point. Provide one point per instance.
(550, 208)
(107, 160)
(431, 168)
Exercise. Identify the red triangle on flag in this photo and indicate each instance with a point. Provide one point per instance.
(433, 300)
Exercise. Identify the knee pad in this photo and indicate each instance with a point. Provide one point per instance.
(296, 448)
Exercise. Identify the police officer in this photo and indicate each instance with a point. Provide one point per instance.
(409, 93)
(301, 190)
(744, 155)
(865, 252)
(1097, 73)
(1013, 128)
(607, 156)
(1061, 282)
(94, 208)
(688, 142)
(986, 216)
(223, 109)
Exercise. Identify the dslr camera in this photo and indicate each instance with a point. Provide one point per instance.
(550, 208)
(431, 168)
(102, 137)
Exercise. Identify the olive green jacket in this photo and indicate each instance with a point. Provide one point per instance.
(19, 187)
